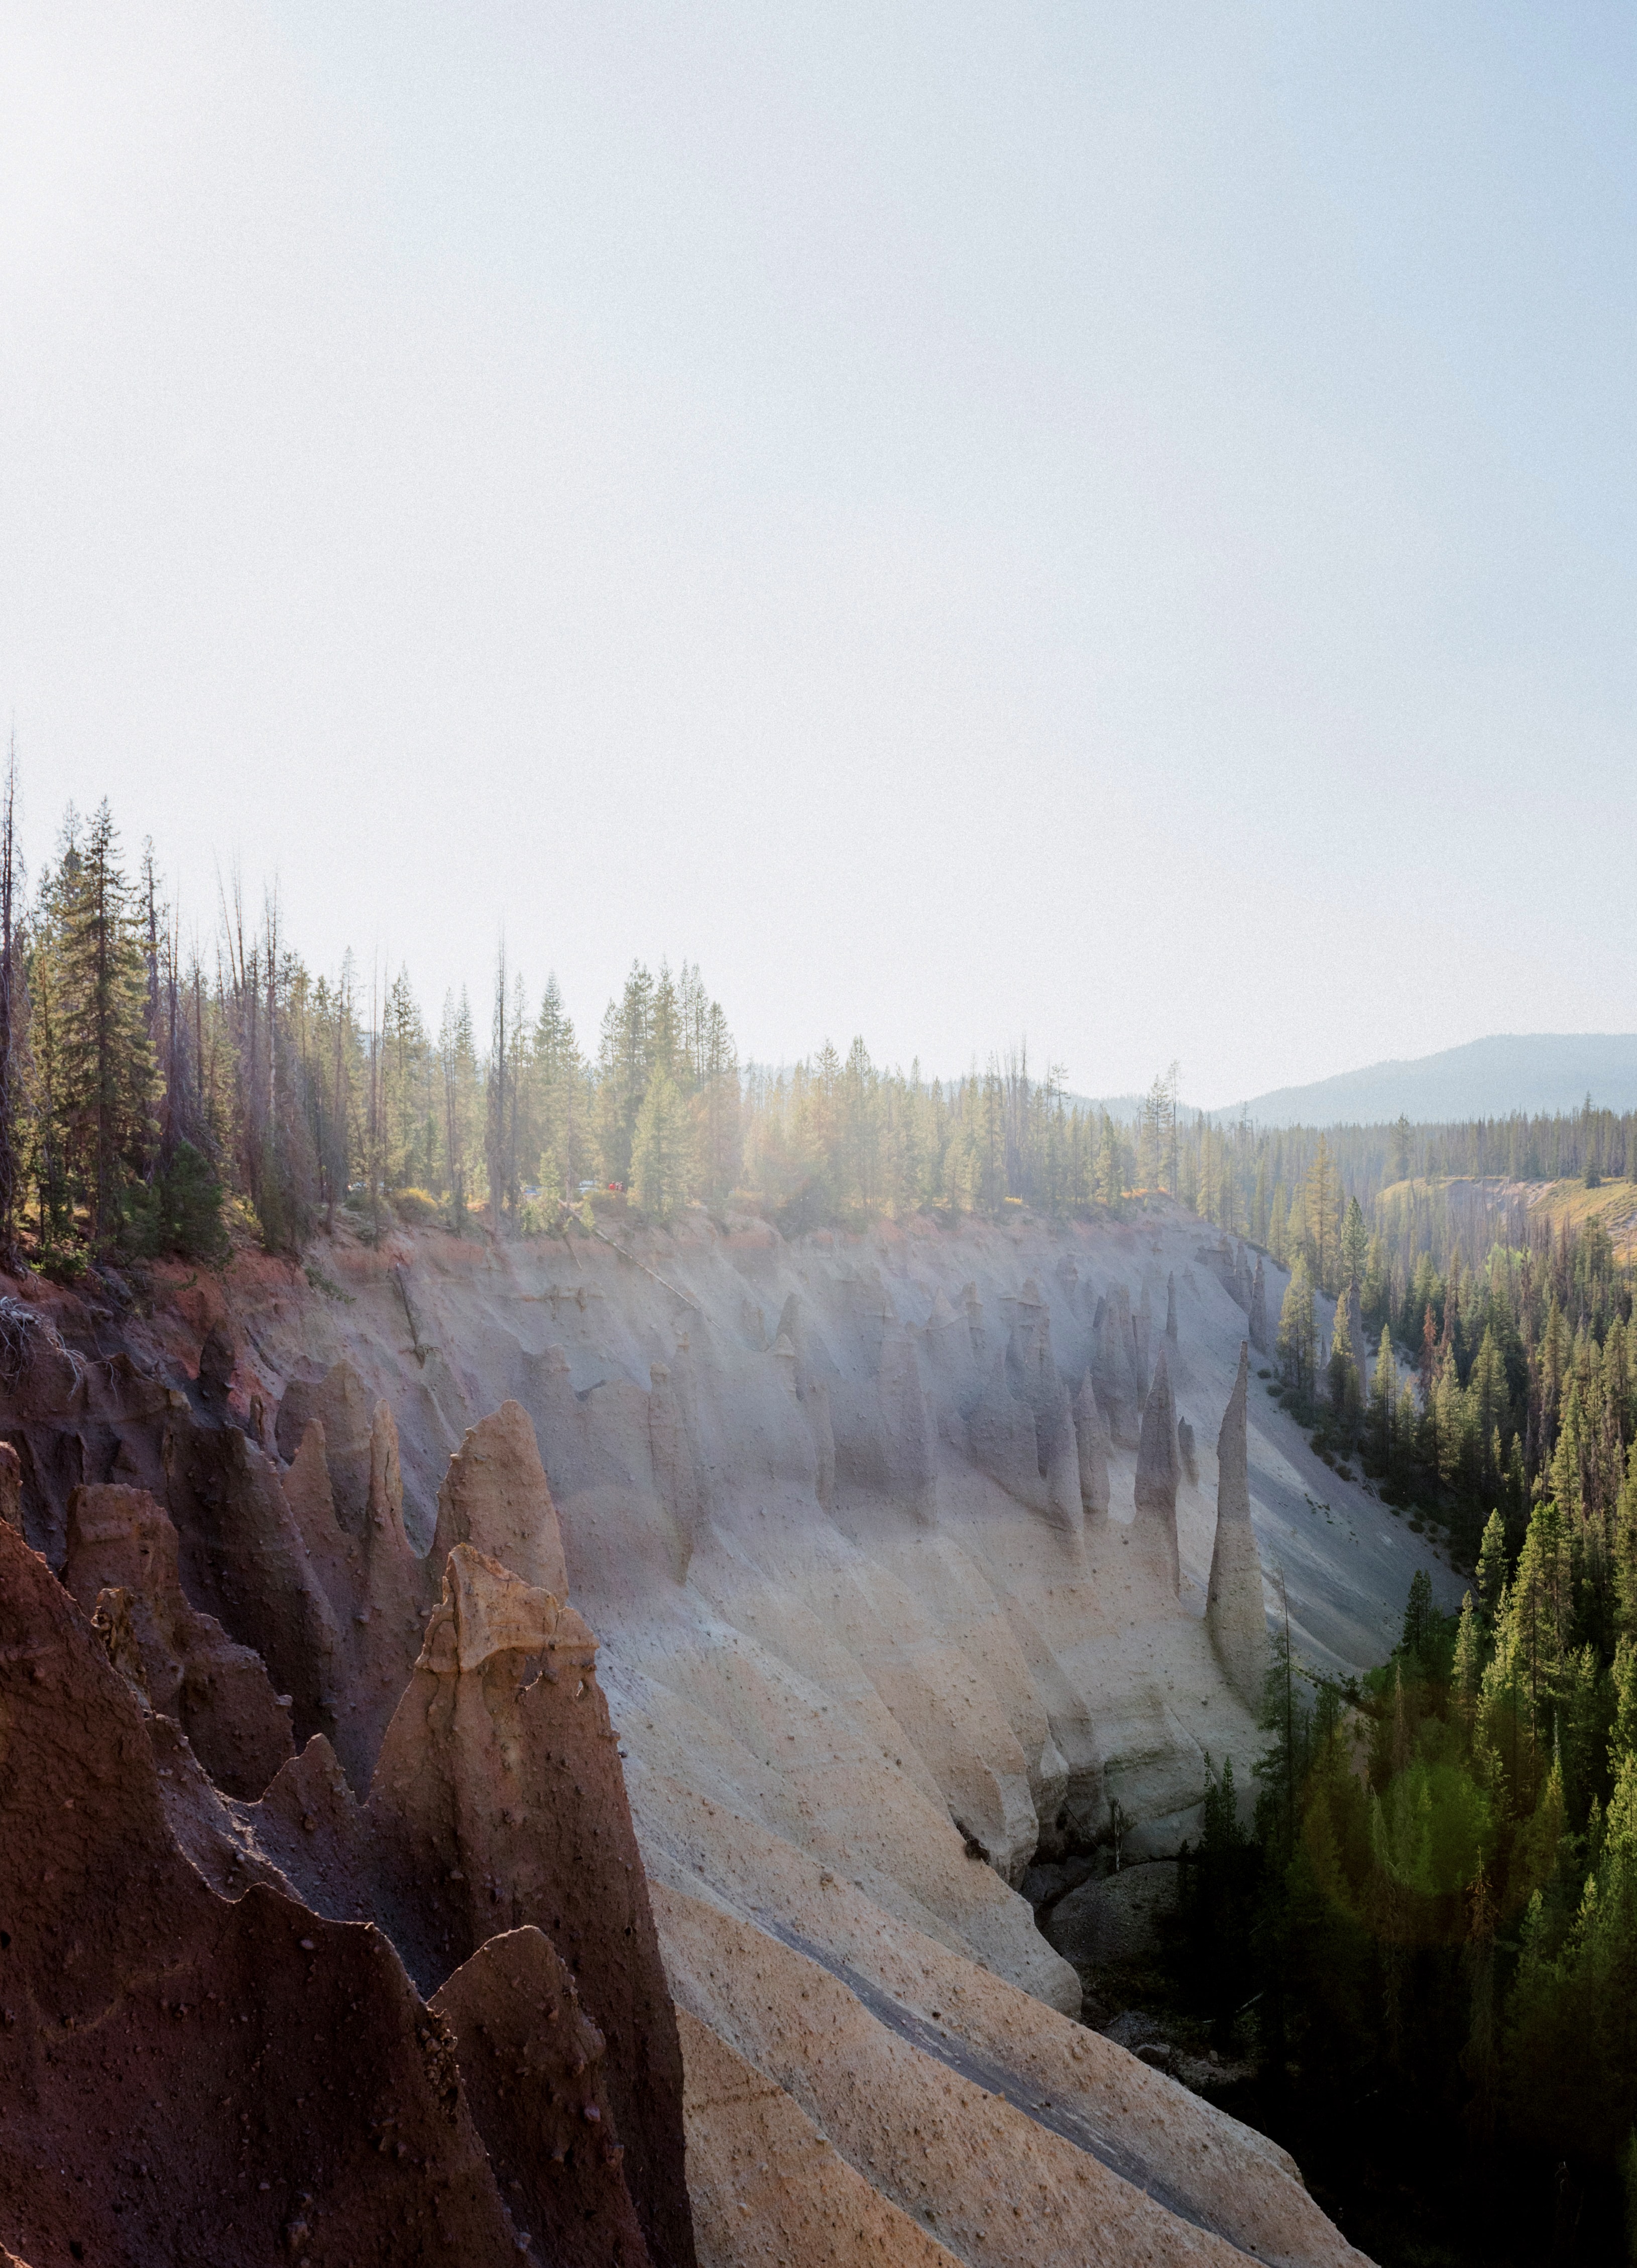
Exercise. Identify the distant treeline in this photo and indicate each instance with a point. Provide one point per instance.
(153, 1089)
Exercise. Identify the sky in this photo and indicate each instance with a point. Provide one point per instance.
(1107, 528)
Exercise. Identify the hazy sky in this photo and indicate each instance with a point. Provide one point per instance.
(1113, 525)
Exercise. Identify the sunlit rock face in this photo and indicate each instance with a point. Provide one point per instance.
(895, 1590)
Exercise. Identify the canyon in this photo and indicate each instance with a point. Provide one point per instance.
(586, 1709)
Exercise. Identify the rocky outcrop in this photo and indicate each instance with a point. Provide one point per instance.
(497, 1804)
(1233, 1609)
(121, 1540)
(371, 1576)
(808, 1711)
(1000, 1438)
(1114, 1358)
(1142, 1333)
(1170, 1307)
(533, 2068)
(163, 2099)
(243, 1559)
(11, 1487)
(341, 1403)
(496, 1499)
(1092, 1444)
(1158, 1470)
(1185, 1451)
(1259, 1339)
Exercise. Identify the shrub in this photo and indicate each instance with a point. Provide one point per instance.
(418, 1207)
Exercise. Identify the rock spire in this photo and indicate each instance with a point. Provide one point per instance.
(1092, 1441)
(1159, 1470)
(1234, 1613)
(1259, 1309)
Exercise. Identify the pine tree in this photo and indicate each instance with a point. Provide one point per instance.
(560, 1078)
(1323, 1195)
(458, 1061)
(1384, 1393)
(13, 1019)
(661, 1159)
(1354, 1246)
(104, 1099)
(1490, 1574)
(1297, 1340)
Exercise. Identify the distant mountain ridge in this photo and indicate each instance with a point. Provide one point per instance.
(1536, 1071)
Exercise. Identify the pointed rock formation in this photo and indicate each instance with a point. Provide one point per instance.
(341, 1404)
(496, 1499)
(1185, 1451)
(1170, 1307)
(974, 1309)
(1092, 1443)
(498, 1803)
(245, 1560)
(881, 1429)
(121, 1539)
(1000, 1438)
(675, 1469)
(1113, 1366)
(1158, 1473)
(1258, 1310)
(530, 2062)
(811, 1393)
(371, 1577)
(1142, 1334)
(311, 1826)
(1234, 1610)
(1032, 1374)
(1060, 1452)
(141, 2005)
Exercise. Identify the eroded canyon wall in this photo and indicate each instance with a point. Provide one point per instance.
(883, 1617)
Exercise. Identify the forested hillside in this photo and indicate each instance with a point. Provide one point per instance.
(159, 1096)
